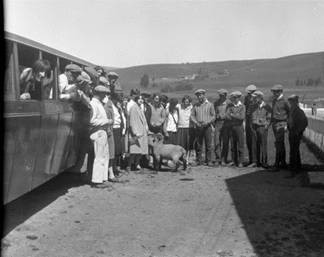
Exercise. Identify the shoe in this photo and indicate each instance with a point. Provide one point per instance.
(252, 165)
(274, 169)
(127, 170)
(223, 163)
(240, 165)
(113, 180)
(230, 164)
(99, 185)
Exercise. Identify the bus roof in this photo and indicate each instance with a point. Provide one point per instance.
(31, 43)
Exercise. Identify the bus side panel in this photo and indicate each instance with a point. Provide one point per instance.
(9, 155)
(24, 126)
(62, 147)
(45, 166)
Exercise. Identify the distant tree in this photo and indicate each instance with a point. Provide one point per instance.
(145, 80)
(310, 82)
(297, 83)
(317, 81)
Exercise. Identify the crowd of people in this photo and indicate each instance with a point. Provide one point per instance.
(119, 126)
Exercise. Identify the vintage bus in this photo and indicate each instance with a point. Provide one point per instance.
(41, 137)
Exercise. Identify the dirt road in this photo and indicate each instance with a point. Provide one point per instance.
(207, 212)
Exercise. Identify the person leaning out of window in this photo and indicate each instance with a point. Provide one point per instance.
(34, 81)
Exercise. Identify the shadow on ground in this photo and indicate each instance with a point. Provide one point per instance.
(279, 217)
(19, 210)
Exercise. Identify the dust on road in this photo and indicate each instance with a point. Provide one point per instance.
(207, 212)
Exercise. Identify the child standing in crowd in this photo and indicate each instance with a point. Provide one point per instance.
(171, 122)
(184, 110)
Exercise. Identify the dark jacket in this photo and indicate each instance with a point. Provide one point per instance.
(250, 106)
(280, 110)
(297, 121)
(235, 114)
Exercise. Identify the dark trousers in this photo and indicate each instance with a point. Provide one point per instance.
(260, 144)
(238, 144)
(249, 141)
(226, 138)
(279, 134)
(205, 134)
(218, 139)
(294, 154)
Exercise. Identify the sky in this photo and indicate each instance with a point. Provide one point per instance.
(123, 33)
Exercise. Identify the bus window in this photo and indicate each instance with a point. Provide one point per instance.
(9, 90)
(49, 88)
(35, 75)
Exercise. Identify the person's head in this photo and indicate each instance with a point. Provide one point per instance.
(72, 72)
(100, 71)
(101, 92)
(146, 96)
(134, 92)
(172, 104)
(201, 95)
(235, 97)
(156, 99)
(186, 101)
(277, 90)
(112, 78)
(40, 69)
(139, 100)
(164, 100)
(258, 96)
(293, 101)
(250, 89)
(222, 94)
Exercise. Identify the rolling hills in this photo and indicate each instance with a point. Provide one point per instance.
(263, 72)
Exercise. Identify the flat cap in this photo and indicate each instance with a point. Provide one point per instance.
(84, 77)
(101, 89)
(277, 87)
(250, 88)
(257, 93)
(103, 80)
(112, 74)
(236, 94)
(73, 68)
(222, 91)
(293, 98)
(200, 91)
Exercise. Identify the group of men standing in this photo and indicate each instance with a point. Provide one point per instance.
(223, 124)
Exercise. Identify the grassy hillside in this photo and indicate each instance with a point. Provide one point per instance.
(235, 74)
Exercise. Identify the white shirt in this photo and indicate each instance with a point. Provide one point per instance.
(172, 122)
(130, 104)
(117, 118)
(64, 83)
(99, 116)
(184, 116)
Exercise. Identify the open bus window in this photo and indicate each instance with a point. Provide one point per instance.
(9, 89)
(36, 78)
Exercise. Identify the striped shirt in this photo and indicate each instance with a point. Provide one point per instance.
(203, 113)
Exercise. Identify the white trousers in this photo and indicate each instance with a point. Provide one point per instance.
(101, 160)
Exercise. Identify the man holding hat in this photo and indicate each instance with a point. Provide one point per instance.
(279, 117)
(235, 115)
(69, 77)
(261, 118)
(203, 116)
(297, 123)
(98, 135)
(249, 107)
(220, 110)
